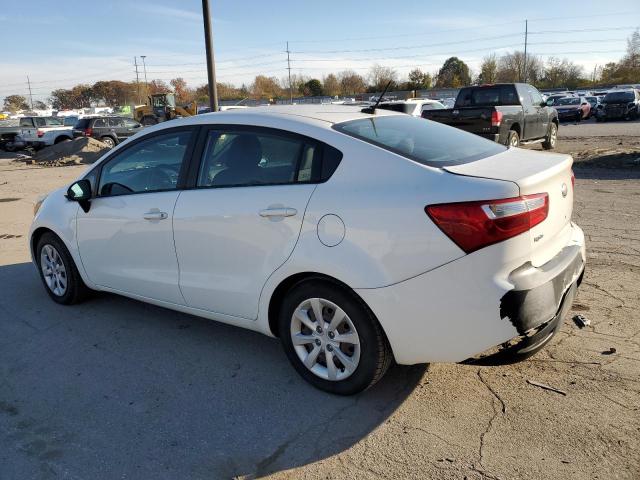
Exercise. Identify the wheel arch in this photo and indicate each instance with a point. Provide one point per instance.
(278, 295)
(516, 128)
(36, 236)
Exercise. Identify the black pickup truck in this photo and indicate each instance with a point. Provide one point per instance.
(507, 113)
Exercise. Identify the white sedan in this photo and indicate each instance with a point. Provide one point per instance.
(358, 239)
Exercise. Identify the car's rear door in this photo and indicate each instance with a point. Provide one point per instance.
(242, 219)
(125, 239)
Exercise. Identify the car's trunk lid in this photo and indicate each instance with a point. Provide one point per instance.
(534, 172)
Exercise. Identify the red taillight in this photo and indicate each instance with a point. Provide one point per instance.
(474, 225)
(496, 118)
(40, 133)
(573, 180)
(88, 132)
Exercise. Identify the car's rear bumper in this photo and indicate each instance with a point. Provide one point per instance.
(461, 309)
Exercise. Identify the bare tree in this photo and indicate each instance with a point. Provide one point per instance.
(380, 76)
(488, 69)
(331, 86)
(351, 83)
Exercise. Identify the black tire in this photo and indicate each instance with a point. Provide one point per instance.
(551, 138)
(375, 352)
(61, 139)
(76, 290)
(108, 141)
(579, 117)
(513, 139)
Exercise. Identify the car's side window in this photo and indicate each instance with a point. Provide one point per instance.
(536, 98)
(130, 123)
(148, 166)
(115, 122)
(245, 157)
(100, 122)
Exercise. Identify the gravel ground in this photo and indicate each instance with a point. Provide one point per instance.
(114, 388)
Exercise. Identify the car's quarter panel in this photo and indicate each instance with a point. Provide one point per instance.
(122, 250)
(227, 250)
(380, 198)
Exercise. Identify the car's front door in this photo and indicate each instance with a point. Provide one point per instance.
(126, 237)
(131, 127)
(242, 220)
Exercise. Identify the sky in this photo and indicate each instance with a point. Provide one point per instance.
(60, 44)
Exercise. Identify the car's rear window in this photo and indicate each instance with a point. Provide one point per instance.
(619, 97)
(398, 107)
(487, 96)
(423, 141)
(82, 123)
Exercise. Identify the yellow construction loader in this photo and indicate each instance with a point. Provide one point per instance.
(162, 107)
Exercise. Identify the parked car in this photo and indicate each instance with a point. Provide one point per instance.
(620, 104)
(33, 132)
(414, 106)
(572, 109)
(507, 113)
(355, 238)
(552, 99)
(594, 102)
(110, 130)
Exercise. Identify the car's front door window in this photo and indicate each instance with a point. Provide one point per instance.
(148, 166)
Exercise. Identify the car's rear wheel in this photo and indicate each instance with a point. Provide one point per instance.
(513, 140)
(58, 271)
(108, 141)
(552, 137)
(332, 338)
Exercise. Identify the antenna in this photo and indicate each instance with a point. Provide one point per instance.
(372, 110)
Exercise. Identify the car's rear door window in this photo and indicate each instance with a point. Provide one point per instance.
(423, 141)
(247, 157)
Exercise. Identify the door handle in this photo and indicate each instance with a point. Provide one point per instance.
(155, 215)
(278, 212)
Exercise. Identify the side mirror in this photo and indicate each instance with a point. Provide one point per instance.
(549, 103)
(80, 192)
(137, 125)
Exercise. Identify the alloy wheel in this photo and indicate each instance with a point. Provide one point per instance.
(53, 270)
(325, 339)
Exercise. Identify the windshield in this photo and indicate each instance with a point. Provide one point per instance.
(398, 107)
(619, 97)
(568, 101)
(423, 141)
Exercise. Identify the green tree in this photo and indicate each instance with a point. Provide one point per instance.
(313, 87)
(453, 74)
(418, 80)
(13, 103)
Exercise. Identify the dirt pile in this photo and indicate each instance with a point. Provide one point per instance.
(83, 150)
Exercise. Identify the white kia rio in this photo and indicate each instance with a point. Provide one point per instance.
(356, 238)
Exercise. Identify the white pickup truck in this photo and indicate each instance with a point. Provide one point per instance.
(36, 132)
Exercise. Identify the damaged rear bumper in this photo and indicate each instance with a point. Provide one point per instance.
(465, 308)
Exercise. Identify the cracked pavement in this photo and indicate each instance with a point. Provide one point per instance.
(114, 388)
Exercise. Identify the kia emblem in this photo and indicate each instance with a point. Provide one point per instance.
(565, 190)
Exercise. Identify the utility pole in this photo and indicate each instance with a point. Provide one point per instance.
(289, 68)
(144, 65)
(211, 68)
(135, 62)
(593, 81)
(30, 95)
(526, 34)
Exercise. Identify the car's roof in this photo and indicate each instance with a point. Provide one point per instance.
(326, 113)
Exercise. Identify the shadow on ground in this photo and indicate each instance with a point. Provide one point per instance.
(118, 388)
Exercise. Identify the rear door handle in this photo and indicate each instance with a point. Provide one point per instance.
(155, 215)
(278, 212)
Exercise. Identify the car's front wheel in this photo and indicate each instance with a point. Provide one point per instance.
(332, 338)
(551, 138)
(108, 141)
(58, 271)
